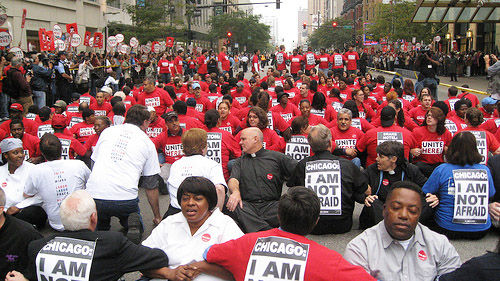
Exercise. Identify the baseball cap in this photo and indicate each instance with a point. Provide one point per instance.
(107, 90)
(60, 103)
(196, 85)
(488, 100)
(16, 106)
(387, 116)
(169, 115)
(58, 121)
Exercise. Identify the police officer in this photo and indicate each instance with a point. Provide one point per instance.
(319, 171)
(63, 78)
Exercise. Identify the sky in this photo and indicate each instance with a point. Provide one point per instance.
(287, 18)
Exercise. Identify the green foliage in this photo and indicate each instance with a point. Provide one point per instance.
(327, 36)
(394, 21)
(246, 30)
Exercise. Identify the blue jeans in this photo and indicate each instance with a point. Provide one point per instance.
(4, 105)
(356, 161)
(115, 208)
(430, 83)
(39, 98)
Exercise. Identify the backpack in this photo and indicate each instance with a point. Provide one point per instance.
(8, 87)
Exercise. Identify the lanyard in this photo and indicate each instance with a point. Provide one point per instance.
(382, 177)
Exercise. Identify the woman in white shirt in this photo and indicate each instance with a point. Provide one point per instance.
(185, 236)
(13, 175)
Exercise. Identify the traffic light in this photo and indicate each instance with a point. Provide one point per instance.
(334, 24)
(229, 34)
(278, 4)
(304, 25)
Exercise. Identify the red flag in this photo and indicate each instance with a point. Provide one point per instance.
(41, 38)
(86, 38)
(170, 42)
(50, 40)
(98, 40)
(24, 18)
(72, 28)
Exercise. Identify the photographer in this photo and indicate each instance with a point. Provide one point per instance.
(42, 71)
(427, 67)
(493, 69)
(83, 75)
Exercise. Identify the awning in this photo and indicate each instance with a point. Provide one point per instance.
(452, 11)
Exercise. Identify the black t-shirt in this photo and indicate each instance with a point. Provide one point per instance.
(15, 235)
(114, 254)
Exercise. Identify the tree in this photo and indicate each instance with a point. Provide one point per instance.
(246, 30)
(394, 22)
(327, 36)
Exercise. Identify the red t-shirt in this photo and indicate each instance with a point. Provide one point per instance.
(91, 142)
(432, 145)
(188, 122)
(70, 146)
(450, 102)
(281, 59)
(171, 146)
(229, 124)
(288, 112)
(491, 125)
(90, 100)
(30, 126)
(473, 98)
(101, 110)
(156, 128)
(337, 61)
(178, 64)
(224, 60)
(324, 60)
(317, 262)
(31, 146)
(346, 139)
(491, 144)
(228, 147)
(83, 131)
(158, 99)
(202, 64)
(310, 59)
(351, 58)
(271, 140)
(372, 138)
(417, 114)
(295, 63)
(164, 66)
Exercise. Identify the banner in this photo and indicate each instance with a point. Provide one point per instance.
(471, 196)
(86, 38)
(169, 42)
(214, 147)
(298, 148)
(323, 177)
(65, 259)
(98, 40)
(72, 28)
(277, 258)
(23, 20)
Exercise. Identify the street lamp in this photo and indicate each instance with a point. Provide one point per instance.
(469, 39)
(448, 38)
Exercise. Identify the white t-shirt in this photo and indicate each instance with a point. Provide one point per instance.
(173, 237)
(195, 165)
(53, 181)
(121, 156)
(13, 186)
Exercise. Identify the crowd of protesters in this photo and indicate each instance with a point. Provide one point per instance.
(82, 132)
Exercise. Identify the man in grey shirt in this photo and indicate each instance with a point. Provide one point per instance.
(493, 69)
(400, 248)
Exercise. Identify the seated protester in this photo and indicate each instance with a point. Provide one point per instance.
(285, 108)
(227, 121)
(471, 97)
(30, 142)
(100, 123)
(33, 114)
(358, 96)
(191, 110)
(457, 116)
(84, 130)
(298, 147)
(492, 124)
(335, 100)
(356, 122)
(186, 122)
(320, 108)
(75, 102)
(391, 167)
(417, 114)
(369, 100)
(156, 124)
(486, 141)
(117, 115)
(337, 205)
(46, 123)
(299, 211)
(409, 90)
(387, 132)
(346, 137)
(450, 125)
(15, 236)
(432, 140)
(257, 118)
(183, 236)
(494, 165)
(221, 144)
(449, 181)
(76, 118)
(79, 217)
(70, 146)
(101, 107)
(154, 96)
(16, 112)
(46, 179)
(212, 95)
(416, 102)
(194, 163)
(305, 110)
(60, 107)
(485, 267)
(452, 98)
(304, 93)
(13, 175)
(399, 247)
(256, 182)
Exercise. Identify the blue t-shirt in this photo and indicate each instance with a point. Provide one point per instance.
(439, 183)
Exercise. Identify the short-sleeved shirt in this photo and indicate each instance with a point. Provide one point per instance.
(122, 155)
(431, 144)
